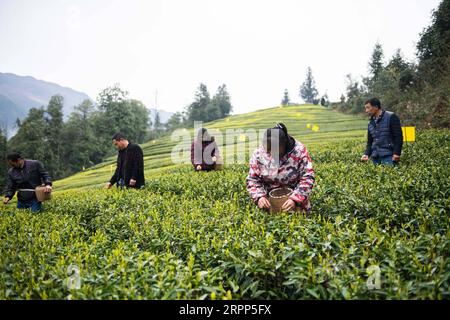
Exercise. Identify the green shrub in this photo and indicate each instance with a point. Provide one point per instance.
(197, 235)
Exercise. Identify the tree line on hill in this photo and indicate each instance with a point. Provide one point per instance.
(203, 108)
(308, 92)
(418, 91)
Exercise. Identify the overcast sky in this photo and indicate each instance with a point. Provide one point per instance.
(257, 48)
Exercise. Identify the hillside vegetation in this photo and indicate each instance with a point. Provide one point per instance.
(373, 233)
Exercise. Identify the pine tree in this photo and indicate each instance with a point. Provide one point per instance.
(53, 131)
(197, 111)
(376, 64)
(30, 138)
(433, 48)
(79, 140)
(221, 101)
(308, 90)
(175, 121)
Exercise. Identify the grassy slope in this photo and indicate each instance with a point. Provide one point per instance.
(333, 126)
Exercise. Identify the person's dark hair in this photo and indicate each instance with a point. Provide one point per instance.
(282, 127)
(14, 156)
(280, 132)
(375, 102)
(203, 135)
(119, 136)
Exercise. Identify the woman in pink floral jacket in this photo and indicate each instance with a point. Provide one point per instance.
(281, 161)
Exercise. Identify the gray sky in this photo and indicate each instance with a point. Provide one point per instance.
(258, 48)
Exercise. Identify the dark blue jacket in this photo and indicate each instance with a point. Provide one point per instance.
(384, 136)
(30, 176)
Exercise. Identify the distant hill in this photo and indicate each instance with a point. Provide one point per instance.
(18, 94)
(164, 116)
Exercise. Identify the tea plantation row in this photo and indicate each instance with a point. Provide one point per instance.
(198, 236)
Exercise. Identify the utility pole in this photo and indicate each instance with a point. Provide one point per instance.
(156, 103)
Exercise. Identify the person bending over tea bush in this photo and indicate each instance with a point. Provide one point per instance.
(281, 161)
(205, 152)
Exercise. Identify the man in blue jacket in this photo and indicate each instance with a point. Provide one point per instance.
(384, 135)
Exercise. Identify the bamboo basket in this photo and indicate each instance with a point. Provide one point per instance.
(41, 195)
(277, 197)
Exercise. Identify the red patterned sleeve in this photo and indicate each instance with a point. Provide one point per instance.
(255, 185)
(306, 182)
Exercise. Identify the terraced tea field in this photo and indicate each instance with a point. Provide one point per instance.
(373, 233)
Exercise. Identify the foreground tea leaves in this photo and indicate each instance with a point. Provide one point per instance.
(197, 236)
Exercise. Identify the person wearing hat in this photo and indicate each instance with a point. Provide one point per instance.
(24, 176)
(281, 161)
(384, 135)
(130, 164)
(205, 152)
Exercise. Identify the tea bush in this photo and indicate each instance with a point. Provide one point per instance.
(198, 236)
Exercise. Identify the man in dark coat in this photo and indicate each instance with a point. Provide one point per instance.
(130, 164)
(384, 135)
(24, 176)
